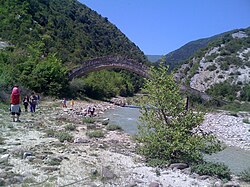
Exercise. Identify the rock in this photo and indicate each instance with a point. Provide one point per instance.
(50, 168)
(218, 184)
(105, 121)
(231, 184)
(107, 173)
(154, 184)
(178, 166)
(203, 177)
(2, 150)
(25, 154)
(2, 182)
(30, 158)
(81, 140)
(131, 185)
(91, 126)
(4, 158)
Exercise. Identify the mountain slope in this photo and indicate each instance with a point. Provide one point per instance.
(65, 27)
(222, 68)
(179, 56)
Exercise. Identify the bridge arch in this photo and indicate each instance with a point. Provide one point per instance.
(109, 62)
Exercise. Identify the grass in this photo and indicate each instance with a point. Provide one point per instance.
(62, 136)
(95, 134)
(236, 107)
(88, 120)
(112, 127)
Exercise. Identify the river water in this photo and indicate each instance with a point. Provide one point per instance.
(128, 118)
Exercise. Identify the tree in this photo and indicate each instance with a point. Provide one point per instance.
(49, 77)
(168, 132)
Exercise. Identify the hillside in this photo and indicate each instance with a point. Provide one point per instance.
(41, 40)
(222, 68)
(66, 27)
(180, 55)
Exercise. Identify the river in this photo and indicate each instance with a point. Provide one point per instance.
(128, 118)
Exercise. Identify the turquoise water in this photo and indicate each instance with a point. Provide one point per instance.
(128, 118)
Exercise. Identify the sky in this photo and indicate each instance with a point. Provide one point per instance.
(158, 27)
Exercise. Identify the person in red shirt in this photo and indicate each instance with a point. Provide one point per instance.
(15, 103)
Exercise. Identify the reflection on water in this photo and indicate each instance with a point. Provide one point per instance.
(128, 118)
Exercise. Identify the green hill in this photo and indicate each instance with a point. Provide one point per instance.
(46, 38)
(66, 27)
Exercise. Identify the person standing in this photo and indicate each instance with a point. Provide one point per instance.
(64, 102)
(15, 104)
(33, 102)
(26, 103)
(72, 104)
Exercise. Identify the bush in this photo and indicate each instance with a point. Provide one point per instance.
(95, 134)
(88, 120)
(245, 175)
(246, 120)
(166, 131)
(112, 127)
(212, 67)
(1, 140)
(221, 76)
(50, 133)
(212, 169)
(70, 127)
(157, 162)
(62, 136)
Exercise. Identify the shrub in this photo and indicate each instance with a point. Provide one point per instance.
(70, 127)
(95, 134)
(88, 120)
(1, 140)
(221, 76)
(166, 131)
(157, 162)
(50, 133)
(212, 169)
(212, 67)
(245, 175)
(246, 120)
(112, 127)
(62, 136)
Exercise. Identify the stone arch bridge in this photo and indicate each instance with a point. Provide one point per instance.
(109, 62)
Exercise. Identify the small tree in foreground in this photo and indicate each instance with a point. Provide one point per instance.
(167, 131)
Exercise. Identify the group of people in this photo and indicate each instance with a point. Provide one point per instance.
(33, 101)
(15, 101)
(64, 103)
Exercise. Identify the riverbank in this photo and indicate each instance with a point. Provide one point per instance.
(31, 155)
(231, 129)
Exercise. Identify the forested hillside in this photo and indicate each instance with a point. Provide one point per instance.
(48, 37)
(66, 27)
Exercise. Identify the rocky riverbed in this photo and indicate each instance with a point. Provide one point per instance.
(32, 155)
